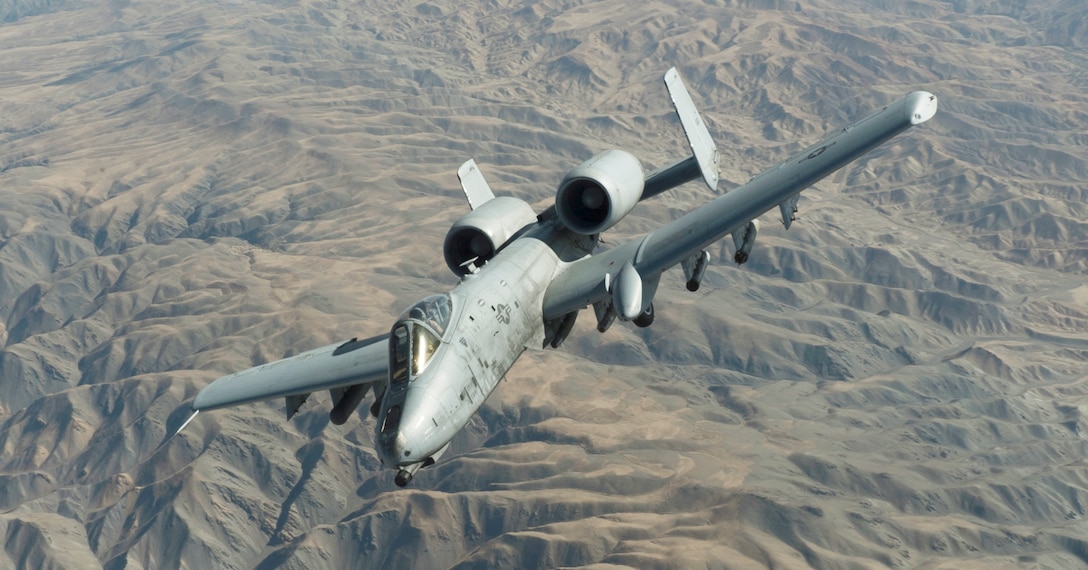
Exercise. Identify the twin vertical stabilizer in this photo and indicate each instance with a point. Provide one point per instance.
(472, 182)
(702, 146)
(704, 160)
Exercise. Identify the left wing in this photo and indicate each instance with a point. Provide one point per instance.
(595, 279)
(347, 369)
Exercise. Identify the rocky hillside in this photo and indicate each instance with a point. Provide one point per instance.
(190, 189)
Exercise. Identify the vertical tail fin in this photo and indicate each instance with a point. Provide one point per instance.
(472, 182)
(702, 146)
(704, 159)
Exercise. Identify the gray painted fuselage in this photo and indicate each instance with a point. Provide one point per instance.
(496, 316)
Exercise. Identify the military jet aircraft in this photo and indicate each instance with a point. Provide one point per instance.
(524, 278)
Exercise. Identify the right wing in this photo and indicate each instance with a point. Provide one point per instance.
(335, 367)
(592, 279)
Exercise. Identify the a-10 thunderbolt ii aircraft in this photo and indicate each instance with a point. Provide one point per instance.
(526, 276)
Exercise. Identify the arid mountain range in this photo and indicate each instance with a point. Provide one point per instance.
(189, 189)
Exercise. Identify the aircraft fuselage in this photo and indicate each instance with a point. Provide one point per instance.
(496, 314)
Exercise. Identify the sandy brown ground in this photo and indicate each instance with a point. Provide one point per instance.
(187, 189)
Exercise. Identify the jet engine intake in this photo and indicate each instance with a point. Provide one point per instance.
(481, 233)
(599, 192)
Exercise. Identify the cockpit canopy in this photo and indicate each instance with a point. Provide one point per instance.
(417, 335)
(433, 311)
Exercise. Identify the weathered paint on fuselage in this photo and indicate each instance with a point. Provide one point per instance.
(496, 316)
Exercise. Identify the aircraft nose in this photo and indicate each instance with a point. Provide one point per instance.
(403, 434)
(408, 457)
(402, 447)
(399, 450)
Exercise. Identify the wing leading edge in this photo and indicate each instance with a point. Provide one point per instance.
(333, 367)
(586, 281)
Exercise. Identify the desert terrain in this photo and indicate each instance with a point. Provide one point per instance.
(898, 380)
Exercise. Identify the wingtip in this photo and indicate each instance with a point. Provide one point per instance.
(922, 105)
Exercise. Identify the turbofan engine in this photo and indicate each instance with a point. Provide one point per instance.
(481, 233)
(599, 192)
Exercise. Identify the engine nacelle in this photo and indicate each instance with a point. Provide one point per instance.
(482, 232)
(599, 192)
